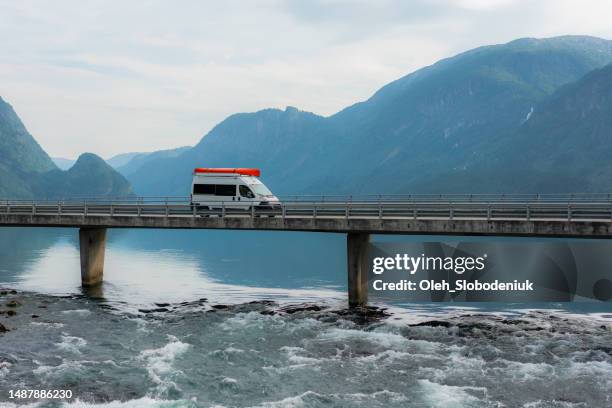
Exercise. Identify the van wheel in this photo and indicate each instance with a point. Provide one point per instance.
(203, 208)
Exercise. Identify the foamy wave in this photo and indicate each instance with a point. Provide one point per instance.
(440, 395)
(554, 404)
(159, 363)
(381, 338)
(145, 402)
(78, 312)
(65, 368)
(229, 381)
(71, 344)
(308, 398)
(4, 368)
(48, 325)
(256, 321)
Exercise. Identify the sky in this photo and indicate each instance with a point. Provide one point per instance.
(111, 77)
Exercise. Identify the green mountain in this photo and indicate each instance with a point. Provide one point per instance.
(20, 155)
(26, 171)
(565, 145)
(420, 133)
(274, 140)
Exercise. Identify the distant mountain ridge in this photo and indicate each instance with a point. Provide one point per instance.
(130, 162)
(63, 163)
(424, 132)
(27, 171)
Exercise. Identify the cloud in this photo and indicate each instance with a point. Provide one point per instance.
(116, 76)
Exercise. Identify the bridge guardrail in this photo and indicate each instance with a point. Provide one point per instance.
(324, 198)
(427, 209)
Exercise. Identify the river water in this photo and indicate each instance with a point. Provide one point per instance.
(217, 319)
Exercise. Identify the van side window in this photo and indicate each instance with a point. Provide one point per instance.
(246, 192)
(227, 190)
(203, 189)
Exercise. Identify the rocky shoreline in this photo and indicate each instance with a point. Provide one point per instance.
(19, 308)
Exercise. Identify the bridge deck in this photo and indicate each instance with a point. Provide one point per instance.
(581, 218)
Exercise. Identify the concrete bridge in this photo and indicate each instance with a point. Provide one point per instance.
(582, 215)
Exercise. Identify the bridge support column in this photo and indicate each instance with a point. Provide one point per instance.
(357, 254)
(92, 242)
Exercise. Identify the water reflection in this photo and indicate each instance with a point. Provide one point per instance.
(145, 266)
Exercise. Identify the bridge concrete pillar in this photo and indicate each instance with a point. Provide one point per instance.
(92, 242)
(357, 254)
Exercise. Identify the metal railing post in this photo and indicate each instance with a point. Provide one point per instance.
(569, 213)
(528, 213)
(222, 209)
(283, 210)
(252, 211)
(380, 210)
(85, 208)
(489, 212)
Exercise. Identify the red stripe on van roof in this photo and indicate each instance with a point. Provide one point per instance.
(242, 171)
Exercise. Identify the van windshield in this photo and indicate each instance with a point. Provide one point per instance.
(260, 189)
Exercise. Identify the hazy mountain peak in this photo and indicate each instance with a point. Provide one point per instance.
(26, 171)
(90, 159)
(18, 149)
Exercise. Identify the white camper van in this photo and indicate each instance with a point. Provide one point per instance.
(230, 188)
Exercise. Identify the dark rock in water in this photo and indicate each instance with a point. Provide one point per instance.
(605, 349)
(157, 309)
(432, 323)
(162, 304)
(3, 328)
(3, 292)
(42, 306)
(11, 313)
(300, 308)
(363, 315)
(35, 316)
(514, 321)
(13, 292)
(202, 300)
(472, 325)
(220, 307)
(13, 303)
(263, 302)
(267, 312)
